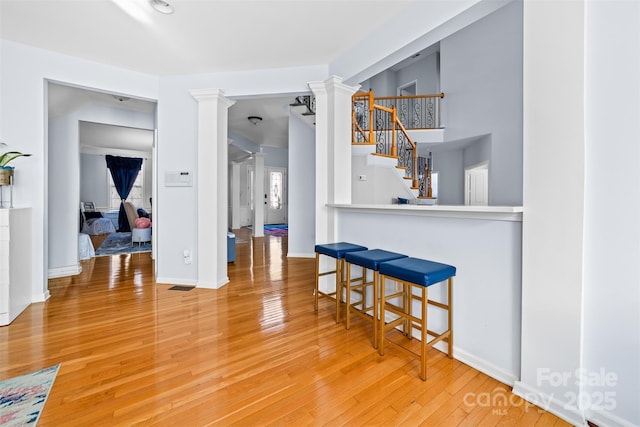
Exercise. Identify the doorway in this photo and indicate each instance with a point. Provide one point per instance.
(476, 185)
(83, 125)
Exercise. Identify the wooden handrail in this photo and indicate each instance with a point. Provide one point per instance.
(414, 153)
(396, 124)
(436, 95)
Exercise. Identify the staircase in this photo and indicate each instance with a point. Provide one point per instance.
(379, 134)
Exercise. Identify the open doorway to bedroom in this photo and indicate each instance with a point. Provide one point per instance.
(87, 128)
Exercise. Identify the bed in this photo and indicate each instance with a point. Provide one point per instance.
(93, 223)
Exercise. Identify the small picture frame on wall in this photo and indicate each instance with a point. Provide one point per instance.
(88, 207)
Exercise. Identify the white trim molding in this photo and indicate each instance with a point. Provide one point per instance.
(67, 270)
(549, 403)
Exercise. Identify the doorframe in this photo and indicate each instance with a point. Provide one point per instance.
(401, 87)
(467, 172)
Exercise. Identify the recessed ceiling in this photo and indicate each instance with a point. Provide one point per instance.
(200, 36)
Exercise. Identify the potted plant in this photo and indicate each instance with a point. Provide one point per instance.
(6, 171)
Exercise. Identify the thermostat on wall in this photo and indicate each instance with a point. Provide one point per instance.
(178, 179)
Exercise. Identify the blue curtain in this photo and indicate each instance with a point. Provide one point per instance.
(124, 171)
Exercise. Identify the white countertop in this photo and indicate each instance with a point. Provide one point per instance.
(498, 213)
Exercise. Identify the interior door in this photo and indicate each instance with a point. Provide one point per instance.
(275, 197)
(477, 187)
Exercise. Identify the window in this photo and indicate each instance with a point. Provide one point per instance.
(275, 190)
(136, 196)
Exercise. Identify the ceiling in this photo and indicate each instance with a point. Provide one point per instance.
(202, 36)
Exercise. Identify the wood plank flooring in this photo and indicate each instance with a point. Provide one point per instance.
(135, 353)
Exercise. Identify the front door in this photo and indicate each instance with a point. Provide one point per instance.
(275, 195)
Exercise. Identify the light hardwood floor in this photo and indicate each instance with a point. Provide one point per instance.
(252, 353)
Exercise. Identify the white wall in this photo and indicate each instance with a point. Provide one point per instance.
(481, 76)
(417, 27)
(277, 157)
(486, 289)
(450, 170)
(64, 200)
(424, 72)
(611, 329)
(302, 175)
(93, 180)
(176, 148)
(477, 152)
(383, 184)
(24, 70)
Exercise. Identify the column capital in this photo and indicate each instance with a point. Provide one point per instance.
(217, 95)
(332, 84)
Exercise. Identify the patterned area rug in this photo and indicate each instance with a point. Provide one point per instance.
(120, 243)
(22, 398)
(277, 230)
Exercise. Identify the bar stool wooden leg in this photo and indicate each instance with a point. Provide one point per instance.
(348, 297)
(317, 280)
(381, 322)
(423, 336)
(406, 295)
(339, 278)
(450, 316)
(376, 308)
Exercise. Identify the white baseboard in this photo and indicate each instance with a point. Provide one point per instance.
(41, 297)
(170, 281)
(484, 366)
(475, 362)
(607, 419)
(300, 255)
(549, 403)
(212, 285)
(68, 270)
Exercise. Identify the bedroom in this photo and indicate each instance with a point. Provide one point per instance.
(103, 124)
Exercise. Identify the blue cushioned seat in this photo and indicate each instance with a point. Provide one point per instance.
(371, 258)
(418, 271)
(338, 250)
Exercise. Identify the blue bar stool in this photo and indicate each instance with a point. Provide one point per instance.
(418, 273)
(370, 260)
(337, 251)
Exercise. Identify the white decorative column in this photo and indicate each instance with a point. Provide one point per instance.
(333, 152)
(257, 220)
(212, 184)
(235, 195)
(552, 242)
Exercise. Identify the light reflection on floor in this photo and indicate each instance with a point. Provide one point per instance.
(263, 261)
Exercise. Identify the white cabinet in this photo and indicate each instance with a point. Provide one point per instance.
(15, 263)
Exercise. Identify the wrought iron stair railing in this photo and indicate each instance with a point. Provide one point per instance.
(375, 121)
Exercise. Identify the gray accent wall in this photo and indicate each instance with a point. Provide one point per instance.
(481, 76)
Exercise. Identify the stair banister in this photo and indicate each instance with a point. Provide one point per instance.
(371, 114)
